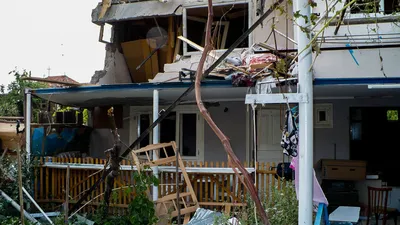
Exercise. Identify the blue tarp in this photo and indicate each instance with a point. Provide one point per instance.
(54, 142)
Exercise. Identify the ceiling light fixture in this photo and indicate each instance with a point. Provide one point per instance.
(383, 86)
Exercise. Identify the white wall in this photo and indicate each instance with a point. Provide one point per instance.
(233, 124)
(324, 139)
(115, 68)
(340, 64)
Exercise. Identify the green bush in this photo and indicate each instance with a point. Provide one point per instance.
(281, 207)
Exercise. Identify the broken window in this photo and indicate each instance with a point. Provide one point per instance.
(375, 6)
(229, 23)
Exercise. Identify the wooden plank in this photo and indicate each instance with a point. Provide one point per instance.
(272, 178)
(41, 181)
(79, 179)
(222, 204)
(53, 181)
(203, 180)
(171, 40)
(261, 181)
(186, 219)
(47, 183)
(36, 182)
(66, 206)
(178, 44)
(222, 181)
(198, 47)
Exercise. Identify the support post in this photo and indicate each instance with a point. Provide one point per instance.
(156, 139)
(305, 117)
(28, 120)
(21, 196)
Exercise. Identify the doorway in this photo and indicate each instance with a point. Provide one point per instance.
(374, 132)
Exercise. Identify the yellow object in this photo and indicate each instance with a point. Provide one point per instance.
(137, 51)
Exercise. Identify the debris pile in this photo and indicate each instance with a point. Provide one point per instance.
(244, 68)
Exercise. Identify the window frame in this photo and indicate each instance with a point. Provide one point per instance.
(185, 18)
(349, 15)
(136, 111)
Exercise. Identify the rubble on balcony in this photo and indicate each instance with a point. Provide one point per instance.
(244, 70)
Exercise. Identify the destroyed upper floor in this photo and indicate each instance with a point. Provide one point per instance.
(143, 45)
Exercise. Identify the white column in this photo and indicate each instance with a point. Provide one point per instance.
(156, 138)
(305, 119)
(28, 120)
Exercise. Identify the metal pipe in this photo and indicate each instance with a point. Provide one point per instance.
(17, 207)
(37, 206)
(28, 120)
(283, 35)
(156, 139)
(305, 117)
(360, 35)
(341, 48)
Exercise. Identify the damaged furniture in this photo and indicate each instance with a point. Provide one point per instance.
(171, 205)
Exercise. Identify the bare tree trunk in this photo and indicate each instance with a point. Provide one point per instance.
(233, 160)
(113, 159)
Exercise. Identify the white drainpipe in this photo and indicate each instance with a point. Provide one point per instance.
(28, 119)
(156, 138)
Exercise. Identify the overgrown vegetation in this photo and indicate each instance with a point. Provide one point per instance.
(9, 185)
(281, 206)
(12, 97)
(141, 209)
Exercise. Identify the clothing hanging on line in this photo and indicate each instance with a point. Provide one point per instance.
(290, 135)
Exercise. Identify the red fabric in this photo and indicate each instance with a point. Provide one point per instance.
(262, 58)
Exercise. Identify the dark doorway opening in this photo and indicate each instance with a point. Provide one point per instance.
(374, 132)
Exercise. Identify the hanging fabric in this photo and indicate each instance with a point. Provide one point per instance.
(290, 135)
(318, 194)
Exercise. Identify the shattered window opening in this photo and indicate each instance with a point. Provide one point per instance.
(230, 21)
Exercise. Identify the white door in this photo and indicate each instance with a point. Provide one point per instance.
(269, 136)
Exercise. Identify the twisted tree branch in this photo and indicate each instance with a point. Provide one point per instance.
(233, 160)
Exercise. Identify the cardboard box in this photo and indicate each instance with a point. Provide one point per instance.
(135, 52)
(342, 169)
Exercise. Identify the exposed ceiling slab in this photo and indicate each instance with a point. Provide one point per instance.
(137, 11)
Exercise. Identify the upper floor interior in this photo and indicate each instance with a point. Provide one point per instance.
(362, 36)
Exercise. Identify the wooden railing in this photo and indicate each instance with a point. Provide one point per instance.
(211, 188)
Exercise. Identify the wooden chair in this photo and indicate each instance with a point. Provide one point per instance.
(377, 205)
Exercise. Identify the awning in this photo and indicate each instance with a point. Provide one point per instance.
(141, 94)
(138, 94)
(137, 10)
